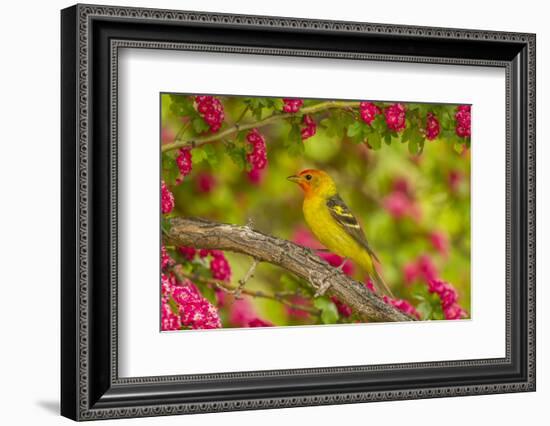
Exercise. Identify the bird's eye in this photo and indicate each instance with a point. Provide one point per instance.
(308, 177)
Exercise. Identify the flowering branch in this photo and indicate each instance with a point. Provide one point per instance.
(194, 143)
(298, 260)
(230, 289)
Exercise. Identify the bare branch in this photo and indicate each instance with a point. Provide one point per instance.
(298, 260)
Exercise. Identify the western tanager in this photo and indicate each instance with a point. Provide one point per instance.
(334, 225)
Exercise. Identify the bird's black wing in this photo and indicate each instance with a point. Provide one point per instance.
(345, 218)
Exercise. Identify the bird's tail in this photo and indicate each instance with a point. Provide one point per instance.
(379, 283)
(368, 264)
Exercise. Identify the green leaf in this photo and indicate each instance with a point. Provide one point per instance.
(198, 155)
(329, 311)
(165, 225)
(406, 136)
(425, 309)
(237, 155)
(379, 123)
(288, 282)
(355, 129)
(173, 306)
(209, 294)
(416, 143)
(294, 143)
(211, 154)
(182, 106)
(458, 147)
(199, 125)
(374, 140)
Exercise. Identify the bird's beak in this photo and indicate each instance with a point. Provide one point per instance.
(294, 178)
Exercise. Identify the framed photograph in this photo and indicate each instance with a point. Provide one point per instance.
(263, 212)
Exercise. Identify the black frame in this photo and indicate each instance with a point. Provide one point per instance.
(91, 37)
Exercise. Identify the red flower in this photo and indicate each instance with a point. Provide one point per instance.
(166, 199)
(395, 117)
(188, 252)
(343, 309)
(440, 242)
(432, 127)
(257, 322)
(403, 305)
(258, 156)
(184, 163)
(309, 129)
(211, 110)
(219, 266)
(292, 105)
(463, 117)
(368, 111)
(206, 182)
(165, 259)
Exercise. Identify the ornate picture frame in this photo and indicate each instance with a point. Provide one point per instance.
(91, 39)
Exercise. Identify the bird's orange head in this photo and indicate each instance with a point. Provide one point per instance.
(314, 183)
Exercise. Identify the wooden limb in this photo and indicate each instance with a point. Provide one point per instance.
(300, 261)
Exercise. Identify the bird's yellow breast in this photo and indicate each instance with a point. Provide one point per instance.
(325, 228)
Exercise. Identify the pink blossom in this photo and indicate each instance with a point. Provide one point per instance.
(368, 111)
(167, 135)
(167, 282)
(204, 253)
(395, 117)
(370, 285)
(309, 129)
(343, 309)
(423, 268)
(463, 117)
(167, 199)
(402, 185)
(292, 105)
(403, 305)
(211, 110)
(184, 163)
(454, 178)
(219, 266)
(165, 259)
(255, 176)
(397, 204)
(168, 320)
(257, 158)
(195, 311)
(188, 252)
(449, 299)
(440, 242)
(241, 312)
(336, 261)
(206, 182)
(296, 312)
(432, 127)
(257, 322)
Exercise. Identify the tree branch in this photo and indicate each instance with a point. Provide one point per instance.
(232, 289)
(298, 260)
(194, 143)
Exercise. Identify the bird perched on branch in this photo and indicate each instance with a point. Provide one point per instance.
(334, 225)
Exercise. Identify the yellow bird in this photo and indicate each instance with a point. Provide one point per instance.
(334, 225)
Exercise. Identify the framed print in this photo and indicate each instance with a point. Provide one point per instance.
(263, 212)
